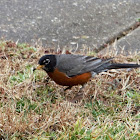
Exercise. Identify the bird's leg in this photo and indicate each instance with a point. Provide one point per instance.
(79, 96)
(68, 88)
(63, 91)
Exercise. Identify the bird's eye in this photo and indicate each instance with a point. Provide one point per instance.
(46, 61)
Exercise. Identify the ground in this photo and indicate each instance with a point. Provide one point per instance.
(34, 107)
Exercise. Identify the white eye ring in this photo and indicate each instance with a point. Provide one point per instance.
(46, 61)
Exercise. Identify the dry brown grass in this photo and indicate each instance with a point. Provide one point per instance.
(31, 108)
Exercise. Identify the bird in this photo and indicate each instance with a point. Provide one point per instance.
(71, 70)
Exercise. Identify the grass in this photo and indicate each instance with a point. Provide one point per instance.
(34, 107)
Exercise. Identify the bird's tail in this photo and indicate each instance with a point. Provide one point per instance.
(121, 66)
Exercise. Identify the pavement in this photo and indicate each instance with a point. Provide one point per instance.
(72, 23)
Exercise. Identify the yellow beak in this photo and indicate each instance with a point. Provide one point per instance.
(40, 67)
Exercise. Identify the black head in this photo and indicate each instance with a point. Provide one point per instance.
(47, 63)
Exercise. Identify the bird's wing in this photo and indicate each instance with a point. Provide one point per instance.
(73, 65)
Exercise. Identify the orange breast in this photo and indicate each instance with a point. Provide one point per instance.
(61, 79)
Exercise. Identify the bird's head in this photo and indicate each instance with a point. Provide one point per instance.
(47, 63)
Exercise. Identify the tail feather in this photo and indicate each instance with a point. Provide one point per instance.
(121, 66)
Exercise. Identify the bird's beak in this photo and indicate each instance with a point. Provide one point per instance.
(39, 67)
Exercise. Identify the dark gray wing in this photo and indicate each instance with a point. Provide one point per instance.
(73, 65)
(70, 64)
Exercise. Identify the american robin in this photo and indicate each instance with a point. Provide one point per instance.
(70, 70)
